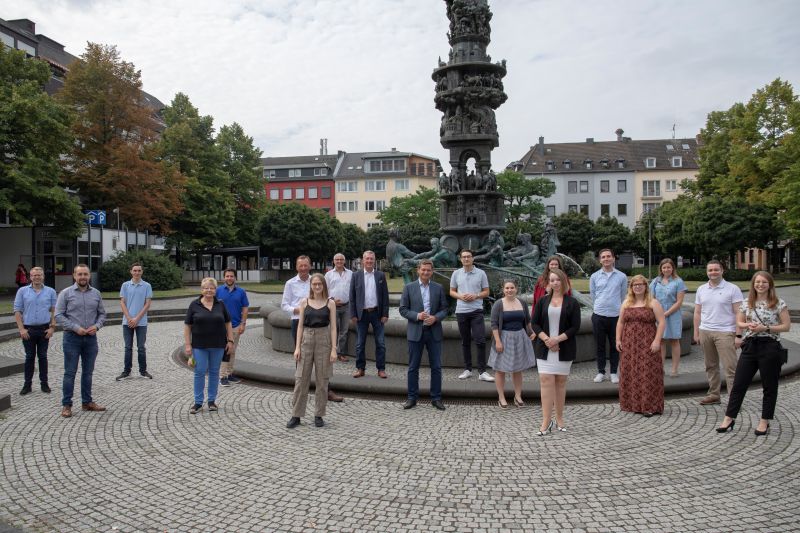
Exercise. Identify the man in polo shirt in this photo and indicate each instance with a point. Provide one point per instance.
(80, 312)
(135, 297)
(237, 304)
(294, 291)
(469, 285)
(607, 287)
(338, 281)
(715, 329)
(34, 313)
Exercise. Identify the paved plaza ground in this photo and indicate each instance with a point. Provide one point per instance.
(148, 465)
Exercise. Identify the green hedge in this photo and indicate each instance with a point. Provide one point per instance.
(697, 274)
(159, 271)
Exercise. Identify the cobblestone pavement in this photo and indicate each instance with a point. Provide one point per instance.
(148, 465)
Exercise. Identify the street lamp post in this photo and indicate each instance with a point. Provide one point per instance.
(649, 247)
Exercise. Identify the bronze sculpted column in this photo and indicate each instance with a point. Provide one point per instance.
(469, 88)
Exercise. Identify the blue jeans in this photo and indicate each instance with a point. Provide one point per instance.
(83, 347)
(370, 318)
(141, 339)
(36, 346)
(434, 348)
(206, 360)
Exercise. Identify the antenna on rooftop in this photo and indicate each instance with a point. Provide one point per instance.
(323, 147)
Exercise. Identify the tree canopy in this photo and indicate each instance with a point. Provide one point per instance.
(34, 132)
(608, 232)
(292, 229)
(416, 216)
(574, 233)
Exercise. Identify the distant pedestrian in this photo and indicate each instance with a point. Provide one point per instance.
(669, 289)
(80, 312)
(207, 334)
(235, 299)
(424, 305)
(716, 304)
(543, 282)
(315, 348)
(34, 313)
(556, 322)
(338, 280)
(639, 332)
(21, 276)
(511, 351)
(469, 285)
(762, 317)
(369, 306)
(607, 287)
(135, 297)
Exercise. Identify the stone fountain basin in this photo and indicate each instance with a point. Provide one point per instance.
(277, 326)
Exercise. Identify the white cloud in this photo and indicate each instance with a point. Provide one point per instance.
(358, 71)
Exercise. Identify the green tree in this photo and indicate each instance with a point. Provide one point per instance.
(608, 232)
(159, 270)
(523, 196)
(292, 229)
(355, 240)
(34, 133)
(188, 142)
(671, 233)
(416, 216)
(376, 238)
(242, 162)
(115, 161)
(574, 233)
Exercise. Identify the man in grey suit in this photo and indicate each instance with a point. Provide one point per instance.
(369, 306)
(424, 306)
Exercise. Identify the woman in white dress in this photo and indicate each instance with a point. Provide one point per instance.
(556, 321)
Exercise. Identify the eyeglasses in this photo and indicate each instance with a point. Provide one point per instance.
(639, 285)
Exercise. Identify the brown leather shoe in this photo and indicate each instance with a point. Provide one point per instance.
(382, 374)
(66, 411)
(359, 373)
(342, 358)
(333, 397)
(709, 400)
(91, 406)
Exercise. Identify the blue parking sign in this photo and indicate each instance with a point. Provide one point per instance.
(95, 217)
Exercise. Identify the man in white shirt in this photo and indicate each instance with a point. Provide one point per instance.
(715, 306)
(338, 281)
(294, 291)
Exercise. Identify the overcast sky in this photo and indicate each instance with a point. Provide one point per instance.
(358, 72)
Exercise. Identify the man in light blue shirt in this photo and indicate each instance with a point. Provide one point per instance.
(34, 313)
(607, 287)
(135, 296)
(469, 285)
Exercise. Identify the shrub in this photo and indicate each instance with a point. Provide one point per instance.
(589, 263)
(159, 270)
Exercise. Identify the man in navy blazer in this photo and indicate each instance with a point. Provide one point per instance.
(369, 305)
(424, 306)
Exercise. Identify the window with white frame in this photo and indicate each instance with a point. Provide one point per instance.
(605, 186)
(650, 162)
(572, 187)
(375, 185)
(347, 207)
(671, 185)
(269, 173)
(299, 194)
(651, 188)
(320, 171)
(312, 193)
(374, 205)
(647, 207)
(325, 193)
(573, 209)
(401, 185)
(584, 186)
(294, 173)
(677, 161)
(287, 193)
(347, 186)
(622, 185)
(274, 194)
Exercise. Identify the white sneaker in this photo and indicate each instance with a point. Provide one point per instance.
(599, 378)
(465, 374)
(485, 377)
(614, 378)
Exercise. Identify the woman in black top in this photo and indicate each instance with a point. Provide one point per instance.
(316, 347)
(207, 333)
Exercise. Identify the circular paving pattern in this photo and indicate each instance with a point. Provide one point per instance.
(148, 465)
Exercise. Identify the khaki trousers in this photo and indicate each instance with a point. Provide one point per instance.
(315, 351)
(227, 366)
(718, 346)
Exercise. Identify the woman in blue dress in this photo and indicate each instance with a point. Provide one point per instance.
(669, 289)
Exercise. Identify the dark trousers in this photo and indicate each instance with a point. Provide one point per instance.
(472, 328)
(36, 347)
(758, 354)
(81, 348)
(370, 318)
(141, 339)
(604, 329)
(434, 348)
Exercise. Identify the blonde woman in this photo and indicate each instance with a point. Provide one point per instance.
(669, 289)
(763, 317)
(639, 331)
(207, 333)
(315, 348)
(556, 321)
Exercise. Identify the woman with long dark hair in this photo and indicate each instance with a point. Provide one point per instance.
(543, 283)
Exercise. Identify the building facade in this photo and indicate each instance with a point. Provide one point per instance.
(304, 179)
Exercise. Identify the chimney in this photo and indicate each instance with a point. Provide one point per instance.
(619, 133)
(589, 140)
(541, 145)
(394, 149)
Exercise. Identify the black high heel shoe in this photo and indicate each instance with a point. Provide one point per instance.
(727, 428)
(761, 433)
(501, 404)
(549, 428)
(518, 403)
